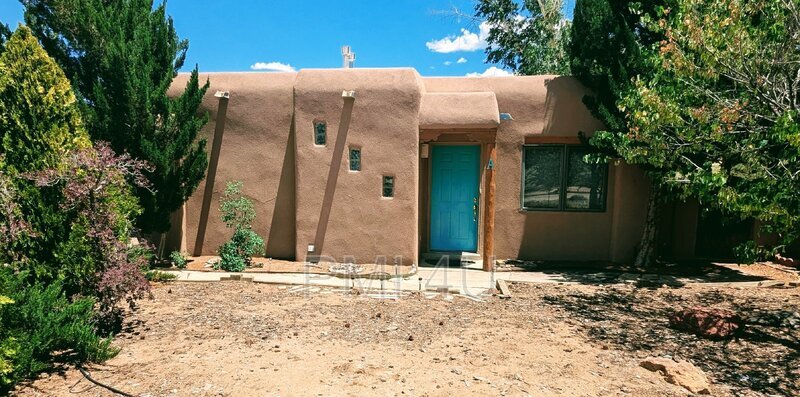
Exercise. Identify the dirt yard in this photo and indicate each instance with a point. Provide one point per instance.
(243, 339)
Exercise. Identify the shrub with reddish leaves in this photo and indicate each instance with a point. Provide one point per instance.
(96, 195)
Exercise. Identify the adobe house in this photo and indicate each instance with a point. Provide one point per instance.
(352, 164)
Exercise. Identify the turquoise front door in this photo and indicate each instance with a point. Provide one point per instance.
(455, 174)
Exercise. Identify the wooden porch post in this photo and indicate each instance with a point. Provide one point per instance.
(488, 217)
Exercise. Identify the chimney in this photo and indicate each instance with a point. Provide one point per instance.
(348, 57)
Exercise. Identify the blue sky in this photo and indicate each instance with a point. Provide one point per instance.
(227, 35)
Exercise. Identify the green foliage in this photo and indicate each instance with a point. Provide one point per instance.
(720, 117)
(609, 47)
(528, 37)
(5, 33)
(39, 125)
(235, 255)
(65, 210)
(750, 252)
(8, 350)
(39, 120)
(159, 277)
(238, 214)
(236, 208)
(43, 326)
(122, 57)
(178, 259)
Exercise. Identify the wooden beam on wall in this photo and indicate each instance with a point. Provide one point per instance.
(561, 140)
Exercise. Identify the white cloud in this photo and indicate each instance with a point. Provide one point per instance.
(493, 71)
(447, 63)
(272, 67)
(466, 41)
(461, 60)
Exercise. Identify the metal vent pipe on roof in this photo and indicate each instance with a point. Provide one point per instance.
(348, 57)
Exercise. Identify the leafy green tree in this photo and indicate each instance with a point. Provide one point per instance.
(611, 46)
(528, 37)
(238, 214)
(721, 116)
(122, 57)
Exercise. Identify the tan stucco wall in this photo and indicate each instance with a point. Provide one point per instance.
(552, 106)
(305, 194)
(459, 110)
(384, 120)
(256, 149)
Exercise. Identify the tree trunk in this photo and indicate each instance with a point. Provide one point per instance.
(647, 247)
(162, 242)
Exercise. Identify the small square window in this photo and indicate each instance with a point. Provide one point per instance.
(355, 159)
(320, 133)
(388, 186)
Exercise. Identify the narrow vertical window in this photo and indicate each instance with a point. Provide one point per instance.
(355, 159)
(388, 186)
(320, 132)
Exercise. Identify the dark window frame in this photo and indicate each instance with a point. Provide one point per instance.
(391, 187)
(324, 133)
(563, 178)
(350, 159)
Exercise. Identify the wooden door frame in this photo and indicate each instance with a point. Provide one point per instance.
(486, 138)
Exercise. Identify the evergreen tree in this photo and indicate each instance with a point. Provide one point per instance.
(65, 207)
(609, 48)
(5, 33)
(39, 119)
(122, 57)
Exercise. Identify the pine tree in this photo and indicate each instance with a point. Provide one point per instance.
(122, 57)
(39, 125)
(39, 118)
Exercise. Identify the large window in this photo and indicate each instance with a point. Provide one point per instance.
(555, 177)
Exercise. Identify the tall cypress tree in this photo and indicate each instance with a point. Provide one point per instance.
(608, 50)
(122, 57)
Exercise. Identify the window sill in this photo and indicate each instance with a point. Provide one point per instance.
(569, 211)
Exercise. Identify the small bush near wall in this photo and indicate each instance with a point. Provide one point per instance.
(159, 277)
(238, 214)
(178, 259)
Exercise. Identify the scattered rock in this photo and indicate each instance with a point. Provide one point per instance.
(681, 373)
(709, 323)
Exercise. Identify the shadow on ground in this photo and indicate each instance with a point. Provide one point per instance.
(765, 358)
(674, 274)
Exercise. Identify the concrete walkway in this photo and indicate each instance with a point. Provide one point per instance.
(462, 281)
(458, 281)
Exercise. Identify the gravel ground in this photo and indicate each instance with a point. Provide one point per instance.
(243, 339)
